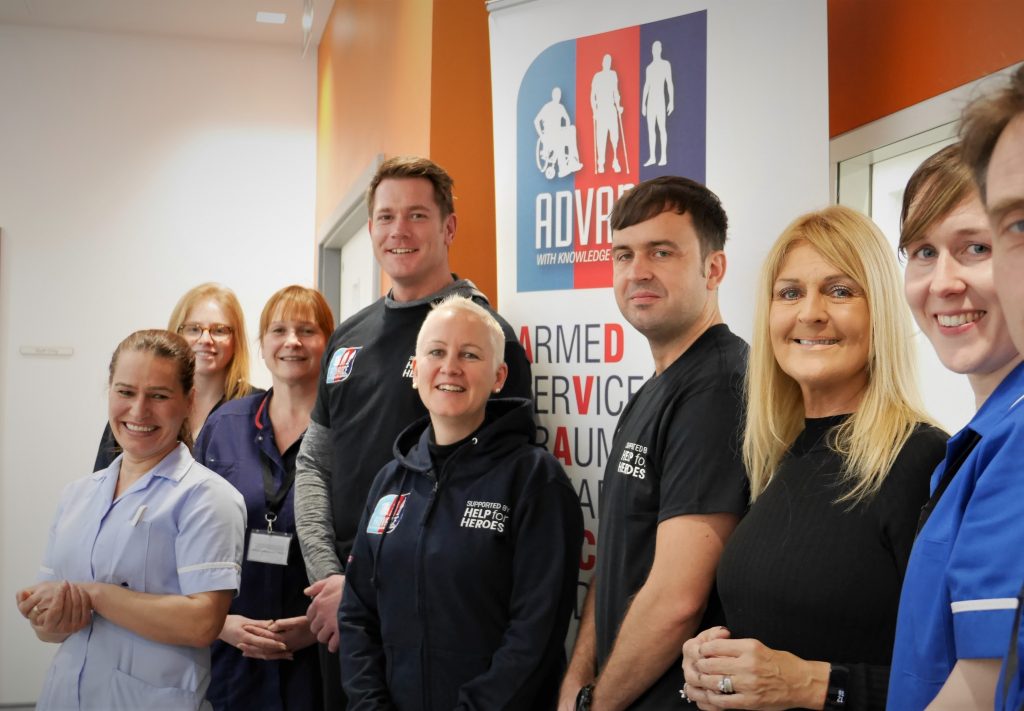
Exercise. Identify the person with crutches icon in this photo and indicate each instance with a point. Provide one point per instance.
(607, 109)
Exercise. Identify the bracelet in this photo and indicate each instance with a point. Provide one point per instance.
(585, 698)
(836, 697)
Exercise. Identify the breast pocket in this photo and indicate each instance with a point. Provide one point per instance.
(131, 555)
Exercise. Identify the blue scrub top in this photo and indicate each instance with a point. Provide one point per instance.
(178, 530)
(967, 565)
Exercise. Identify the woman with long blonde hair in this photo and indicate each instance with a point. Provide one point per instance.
(210, 319)
(839, 452)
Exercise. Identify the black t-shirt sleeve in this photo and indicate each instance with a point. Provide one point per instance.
(701, 463)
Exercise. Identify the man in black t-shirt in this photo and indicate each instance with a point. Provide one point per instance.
(674, 485)
(365, 396)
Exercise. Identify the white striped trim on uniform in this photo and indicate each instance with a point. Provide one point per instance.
(1017, 402)
(209, 566)
(995, 603)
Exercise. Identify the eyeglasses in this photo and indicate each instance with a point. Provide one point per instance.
(217, 331)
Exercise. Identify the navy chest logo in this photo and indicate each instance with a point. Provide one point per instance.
(341, 364)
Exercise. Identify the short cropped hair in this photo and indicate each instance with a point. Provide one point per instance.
(415, 167)
(983, 122)
(298, 303)
(456, 303)
(937, 187)
(680, 195)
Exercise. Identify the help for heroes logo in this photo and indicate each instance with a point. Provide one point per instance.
(595, 116)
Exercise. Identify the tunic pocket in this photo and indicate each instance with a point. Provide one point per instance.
(129, 565)
(128, 692)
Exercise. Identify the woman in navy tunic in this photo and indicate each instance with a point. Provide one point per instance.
(266, 657)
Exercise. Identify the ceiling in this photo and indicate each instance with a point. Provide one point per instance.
(218, 20)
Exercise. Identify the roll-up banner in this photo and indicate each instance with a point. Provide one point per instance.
(590, 98)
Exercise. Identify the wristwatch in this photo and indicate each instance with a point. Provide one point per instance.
(585, 698)
(835, 697)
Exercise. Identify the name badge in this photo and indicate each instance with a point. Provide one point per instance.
(269, 547)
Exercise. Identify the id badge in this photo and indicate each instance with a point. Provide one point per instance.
(269, 547)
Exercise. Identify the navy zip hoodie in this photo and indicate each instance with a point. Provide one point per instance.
(461, 582)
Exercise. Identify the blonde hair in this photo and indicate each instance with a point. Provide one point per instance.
(871, 439)
(460, 304)
(236, 376)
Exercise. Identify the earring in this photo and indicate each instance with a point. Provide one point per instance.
(414, 386)
(497, 390)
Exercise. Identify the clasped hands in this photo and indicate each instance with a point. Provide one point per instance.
(267, 639)
(55, 607)
(761, 678)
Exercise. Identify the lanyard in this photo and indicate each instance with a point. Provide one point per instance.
(274, 498)
(947, 478)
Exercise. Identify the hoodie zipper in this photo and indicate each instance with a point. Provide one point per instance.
(421, 604)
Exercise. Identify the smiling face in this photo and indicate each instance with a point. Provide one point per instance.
(212, 355)
(1004, 199)
(410, 237)
(292, 349)
(951, 294)
(662, 286)
(455, 370)
(820, 330)
(146, 406)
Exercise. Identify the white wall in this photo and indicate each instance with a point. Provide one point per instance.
(131, 169)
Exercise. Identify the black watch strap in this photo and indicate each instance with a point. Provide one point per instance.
(584, 698)
(836, 697)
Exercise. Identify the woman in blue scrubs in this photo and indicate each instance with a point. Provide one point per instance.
(144, 556)
(966, 566)
(266, 657)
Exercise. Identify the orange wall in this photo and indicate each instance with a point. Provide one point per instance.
(373, 89)
(886, 55)
(411, 77)
(461, 136)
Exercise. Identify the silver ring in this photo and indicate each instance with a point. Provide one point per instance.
(725, 686)
(682, 693)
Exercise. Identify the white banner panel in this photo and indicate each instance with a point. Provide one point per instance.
(593, 96)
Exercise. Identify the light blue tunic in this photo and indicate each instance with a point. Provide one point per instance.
(178, 530)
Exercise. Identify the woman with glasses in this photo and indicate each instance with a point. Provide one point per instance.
(210, 319)
(266, 655)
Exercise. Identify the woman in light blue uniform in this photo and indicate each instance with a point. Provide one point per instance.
(144, 556)
(966, 566)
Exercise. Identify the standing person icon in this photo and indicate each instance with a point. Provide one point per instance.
(607, 107)
(557, 138)
(657, 89)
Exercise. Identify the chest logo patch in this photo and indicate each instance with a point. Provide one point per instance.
(387, 514)
(633, 460)
(341, 364)
(487, 515)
